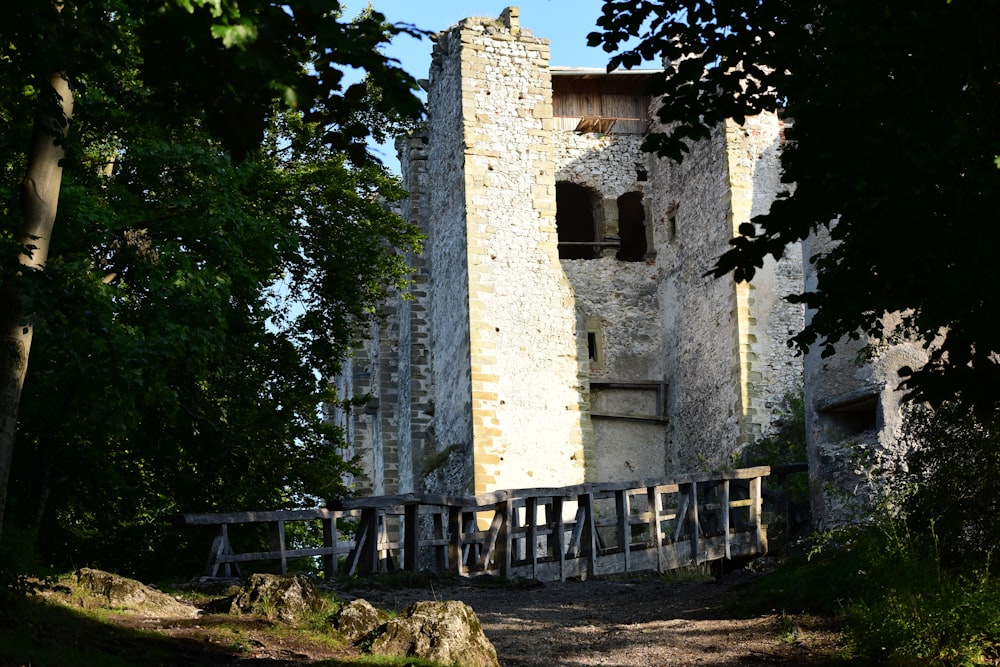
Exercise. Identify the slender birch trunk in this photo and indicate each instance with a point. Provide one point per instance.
(40, 197)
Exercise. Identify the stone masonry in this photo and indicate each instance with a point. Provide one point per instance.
(529, 357)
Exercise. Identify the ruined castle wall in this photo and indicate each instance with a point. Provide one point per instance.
(770, 370)
(605, 163)
(618, 302)
(527, 408)
(446, 248)
(691, 213)
(415, 434)
(366, 443)
(853, 414)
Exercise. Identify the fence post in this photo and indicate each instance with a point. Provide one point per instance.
(623, 528)
(368, 556)
(655, 529)
(220, 547)
(455, 545)
(411, 537)
(504, 537)
(724, 511)
(588, 536)
(277, 530)
(330, 539)
(756, 500)
(694, 522)
(440, 551)
(555, 542)
(531, 532)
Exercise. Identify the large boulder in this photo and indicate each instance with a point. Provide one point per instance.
(357, 619)
(445, 632)
(287, 598)
(111, 591)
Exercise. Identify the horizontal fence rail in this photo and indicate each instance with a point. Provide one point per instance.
(545, 533)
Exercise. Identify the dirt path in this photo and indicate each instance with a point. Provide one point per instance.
(627, 624)
(639, 623)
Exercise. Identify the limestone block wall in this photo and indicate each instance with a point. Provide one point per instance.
(769, 368)
(605, 163)
(366, 443)
(691, 215)
(492, 384)
(415, 433)
(617, 301)
(528, 412)
(853, 415)
(446, 249)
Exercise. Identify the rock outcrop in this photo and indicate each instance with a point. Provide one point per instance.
(103, 589)
(357, 619)
(446, 632)
(287, 598)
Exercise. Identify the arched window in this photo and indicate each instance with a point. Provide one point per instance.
(632, 227)
(575, 222)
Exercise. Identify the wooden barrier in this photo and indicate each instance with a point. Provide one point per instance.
(546, 534)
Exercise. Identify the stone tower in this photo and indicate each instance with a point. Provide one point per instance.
(561, 328)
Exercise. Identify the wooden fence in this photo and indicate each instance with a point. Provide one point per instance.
(547, 534)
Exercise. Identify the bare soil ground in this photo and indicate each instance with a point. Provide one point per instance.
(639, 623)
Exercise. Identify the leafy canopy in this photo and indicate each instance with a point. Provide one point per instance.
(894, 149)
(208, 185)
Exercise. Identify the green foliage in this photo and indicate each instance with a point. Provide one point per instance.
(890, 141)
(954, 462)
(935, 598)
(917, 611)
(39, 632)
(788, 445)
(818, 580)
(215, 251)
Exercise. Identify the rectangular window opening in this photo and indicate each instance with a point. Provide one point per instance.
(592, 345)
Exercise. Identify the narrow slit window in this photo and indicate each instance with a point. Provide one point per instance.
(632, 227)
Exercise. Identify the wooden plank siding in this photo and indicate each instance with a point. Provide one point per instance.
(546, 533)
(606, 104)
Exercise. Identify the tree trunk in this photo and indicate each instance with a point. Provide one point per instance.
(40, 196)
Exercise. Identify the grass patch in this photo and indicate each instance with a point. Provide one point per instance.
(35, 632)
(889, 592)
(63, 630)
(816, 581)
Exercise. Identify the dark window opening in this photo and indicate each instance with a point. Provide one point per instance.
(631, 227)
(640, 173)
(592, 327)
(850, 415)
(575, 222)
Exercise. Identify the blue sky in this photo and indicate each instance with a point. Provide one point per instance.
(565, 23)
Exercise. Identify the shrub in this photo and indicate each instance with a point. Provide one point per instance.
(954, 465)
(915, 610)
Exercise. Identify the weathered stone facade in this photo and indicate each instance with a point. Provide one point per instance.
(853, 416)
(528, 357)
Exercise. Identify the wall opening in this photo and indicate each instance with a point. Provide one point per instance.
(595, 345)
(851, 415)
(632, 227)
(576, 222)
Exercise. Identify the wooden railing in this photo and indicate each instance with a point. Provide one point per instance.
(547, 534)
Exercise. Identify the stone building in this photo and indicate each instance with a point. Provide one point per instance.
(561, 328)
